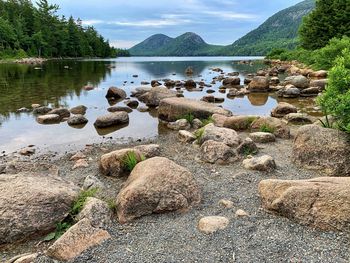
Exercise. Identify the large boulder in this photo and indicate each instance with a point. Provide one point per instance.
(259, 84)
(219, 134)
(114, 163)
(154, 186)
(272, 125)
(319, 202)
(321, 83)
(299, 81)
(77, 119)
(32, 204)
(322, 149)
(217, 152)
(282, 109)
(112, 119)
(115, 93)
(171, 109)
(153, 97)
(231, 81)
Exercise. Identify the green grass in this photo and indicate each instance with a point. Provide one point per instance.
(81, 199)
(248, 151)
(207, 121)
(189, 117)
(131, 159)
(199, 133)
(267, 128)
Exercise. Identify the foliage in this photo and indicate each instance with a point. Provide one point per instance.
(266, 128)
(131, 159)
(248, 151)
(189, 117)
(28, 30)
(122, 52)
(330, 19)
(199, 133)
(336, 98)
(81, 199)
(208, 121)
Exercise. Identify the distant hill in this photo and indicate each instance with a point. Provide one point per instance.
(279, 31)
(188, 44)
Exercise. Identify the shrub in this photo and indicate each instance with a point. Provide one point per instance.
(266, 128)
(131, 159)
(336, 98)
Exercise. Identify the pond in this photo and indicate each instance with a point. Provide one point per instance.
(60, 83)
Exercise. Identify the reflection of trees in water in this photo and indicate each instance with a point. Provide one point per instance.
(23, 85)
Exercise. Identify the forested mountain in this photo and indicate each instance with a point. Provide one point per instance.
(279, 31)
(31, 30)
(188, 44)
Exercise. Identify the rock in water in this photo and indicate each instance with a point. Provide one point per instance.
(171, 108)
(48, 119)
(81, 109)
(154, 186)
(76, 240)
(111, 119)
(259, 84)
(322, 149)
(320, 202)
(46, 199)
(115, 93)
(153, 97)
(77, 119)
(282, 109)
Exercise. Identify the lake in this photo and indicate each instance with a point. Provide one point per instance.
(60, 83)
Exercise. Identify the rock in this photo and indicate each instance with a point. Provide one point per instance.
(299, 81)
(212, 99)
(239, 123)
(299, 118)
(319, 74)
(143, 108)
(132, 103)
(272, 125)
(148, 150)
(115, 93)
(27, 151)
(262, 137)
(41, 110)
(92, 182)
(190, 84)
(322, 149)
(78, 156)
(274, 81)
(48, 119)
(217, 152)
(263, 163)
(226, 203)
(47, 200)
(76, 240)
(241, 213)
(219, 134)
(81, 109)
(119, 108)
(319, 202)
(135, 76)
(155, 83)
(23, 110)
(181, 124)
(154, 186)
(112, 119)
(189, 71)
(186, 136)
(77, 120)
(231, 81)
(145, 83)
(247, 147)
(282, 109)
(113, 163)
(171, 108)
(310, 92)
(259, 84)
(210, 91)
(24, 258)
(97, 212)
(197, 123)
(62, 112)
(153, 97)
(219, 120)
(81, 163)
(320, 83)
(34, 106)
(140, 91)
(211, 224)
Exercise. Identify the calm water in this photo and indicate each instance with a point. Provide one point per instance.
(54, 85)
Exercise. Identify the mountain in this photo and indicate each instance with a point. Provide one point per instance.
(279, 31)
(188, 44)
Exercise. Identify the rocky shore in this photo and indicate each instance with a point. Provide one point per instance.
(216, 187)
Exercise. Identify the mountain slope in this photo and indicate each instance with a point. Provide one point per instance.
(188, 44)
(279, 31)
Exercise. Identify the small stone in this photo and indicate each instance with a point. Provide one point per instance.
(77, 120)
(262, 137)
(241, 213)
(182, 124)
(211, 224)
(27, 151)
(263, 163)
(226, 203)
(78, 156)
(81, 163)
(81, 109)
(186, 136)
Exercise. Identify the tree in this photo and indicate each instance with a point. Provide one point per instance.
(330, 19)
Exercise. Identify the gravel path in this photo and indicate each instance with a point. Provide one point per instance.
(173, 237)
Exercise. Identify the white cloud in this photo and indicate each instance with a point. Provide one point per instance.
(119, 43)
(230, 15)
(164, 20)
(91, 22)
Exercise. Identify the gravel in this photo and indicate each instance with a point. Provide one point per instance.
(173, 237)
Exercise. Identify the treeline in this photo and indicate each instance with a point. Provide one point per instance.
(29, 30)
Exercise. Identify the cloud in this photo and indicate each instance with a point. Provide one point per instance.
(91, 22)
(230, 15)
(120, 43)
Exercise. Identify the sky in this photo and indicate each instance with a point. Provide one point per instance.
(128, 22)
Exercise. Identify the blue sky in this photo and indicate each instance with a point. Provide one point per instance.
(127, 22)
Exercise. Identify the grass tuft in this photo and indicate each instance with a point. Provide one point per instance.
(189, 117)
(267, 128)
(207, 121)
(131, 159)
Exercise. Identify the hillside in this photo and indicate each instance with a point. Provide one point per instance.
(188, 44)
(279, 31)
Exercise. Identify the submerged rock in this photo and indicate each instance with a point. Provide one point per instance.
(112, 119)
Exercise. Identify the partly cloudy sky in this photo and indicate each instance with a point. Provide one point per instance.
(127, 22)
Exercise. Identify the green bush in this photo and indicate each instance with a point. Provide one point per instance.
(336, 98)
(131, 159)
